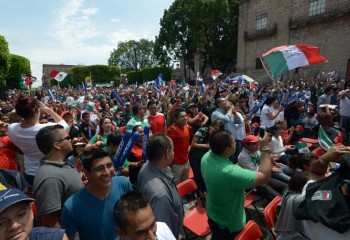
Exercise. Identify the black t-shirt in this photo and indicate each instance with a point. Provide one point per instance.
(88, 131)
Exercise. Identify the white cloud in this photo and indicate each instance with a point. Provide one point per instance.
(75, 24)
(115, 20)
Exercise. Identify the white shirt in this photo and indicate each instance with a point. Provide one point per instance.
(163, 232)
(240, 128)
(280, 116)
(265, 121)
(24, 138)
(277, 145)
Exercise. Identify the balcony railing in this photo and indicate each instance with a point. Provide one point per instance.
(269, 30)
(332, 10)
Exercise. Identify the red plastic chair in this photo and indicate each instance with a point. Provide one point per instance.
(318, 151)
(34, 209)
(310, 140)
(196, 219)
(251, 231)
(190, 173)
(270, 213)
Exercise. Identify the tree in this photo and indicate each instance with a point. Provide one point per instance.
(19, 66)
(124, 55)
(175, 39)
(4, 61)
(98, 73)
(207, 26)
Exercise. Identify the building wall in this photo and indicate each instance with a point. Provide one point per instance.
(47, 68)
(330, 34)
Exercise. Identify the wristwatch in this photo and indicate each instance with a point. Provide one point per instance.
(265, 149)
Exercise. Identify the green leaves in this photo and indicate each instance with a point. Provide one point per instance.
(4, 60)
(205, 26)
(18, 66)
(124, 55)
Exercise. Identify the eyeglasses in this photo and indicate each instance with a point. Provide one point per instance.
(101, 169)
(65, 138)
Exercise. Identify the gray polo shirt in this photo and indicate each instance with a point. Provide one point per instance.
(159, 188)
(54, 183)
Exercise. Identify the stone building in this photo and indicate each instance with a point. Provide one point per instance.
(265, 24)
(47, 68)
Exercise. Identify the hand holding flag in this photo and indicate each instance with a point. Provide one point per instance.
(215, 74)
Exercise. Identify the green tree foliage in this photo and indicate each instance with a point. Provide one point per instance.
(19, 66)
(134, 77)
(4, 61)
(98, 73)
(124, 55)
(175, 38)
(207, 26)
(149, 74)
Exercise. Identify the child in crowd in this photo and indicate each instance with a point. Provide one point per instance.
(309, 123)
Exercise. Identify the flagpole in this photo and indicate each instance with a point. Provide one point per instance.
(267, 71)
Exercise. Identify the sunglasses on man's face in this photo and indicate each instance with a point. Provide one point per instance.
(65, 138)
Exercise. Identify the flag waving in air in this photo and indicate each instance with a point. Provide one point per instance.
(159, 80)
(215, 74)
(200, 81)
(288, 57)
(58, 76)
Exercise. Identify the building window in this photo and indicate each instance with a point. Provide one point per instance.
(258, 64)
(261, 21)
(317, 7)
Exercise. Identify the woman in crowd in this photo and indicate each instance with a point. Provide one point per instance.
(195, 119)
(100, 138)
(23, 134)
(277, 146)
(199, 146)
(268, 115)
(135, 157)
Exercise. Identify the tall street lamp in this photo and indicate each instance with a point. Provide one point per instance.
(134, 46)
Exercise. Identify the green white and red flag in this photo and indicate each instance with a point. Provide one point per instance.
(288, 57)
(215, 74)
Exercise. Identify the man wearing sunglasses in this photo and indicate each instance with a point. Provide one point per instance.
(55, 181)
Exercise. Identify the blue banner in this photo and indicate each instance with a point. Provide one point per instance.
(121, 148)
(144, 144)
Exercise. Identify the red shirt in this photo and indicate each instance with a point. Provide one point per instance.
(157, 123)
(7, 154)
(181, 141)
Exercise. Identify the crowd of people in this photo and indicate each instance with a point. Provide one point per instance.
(68, 150)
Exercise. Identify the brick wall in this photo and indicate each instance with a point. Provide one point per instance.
(331, 34)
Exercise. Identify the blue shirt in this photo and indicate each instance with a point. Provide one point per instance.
(92, 217)
(228, 118)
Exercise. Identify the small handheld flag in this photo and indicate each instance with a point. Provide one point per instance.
(215, 74)
(144, 144)
(116, 96)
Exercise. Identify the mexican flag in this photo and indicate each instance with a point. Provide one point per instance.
(302, 147)
(58, 76)
(323, 139)
(288, 57)
(184, 85)
(215, 74)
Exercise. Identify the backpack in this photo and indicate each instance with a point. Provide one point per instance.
(328, 201)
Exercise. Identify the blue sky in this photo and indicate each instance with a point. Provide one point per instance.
(76, 31)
